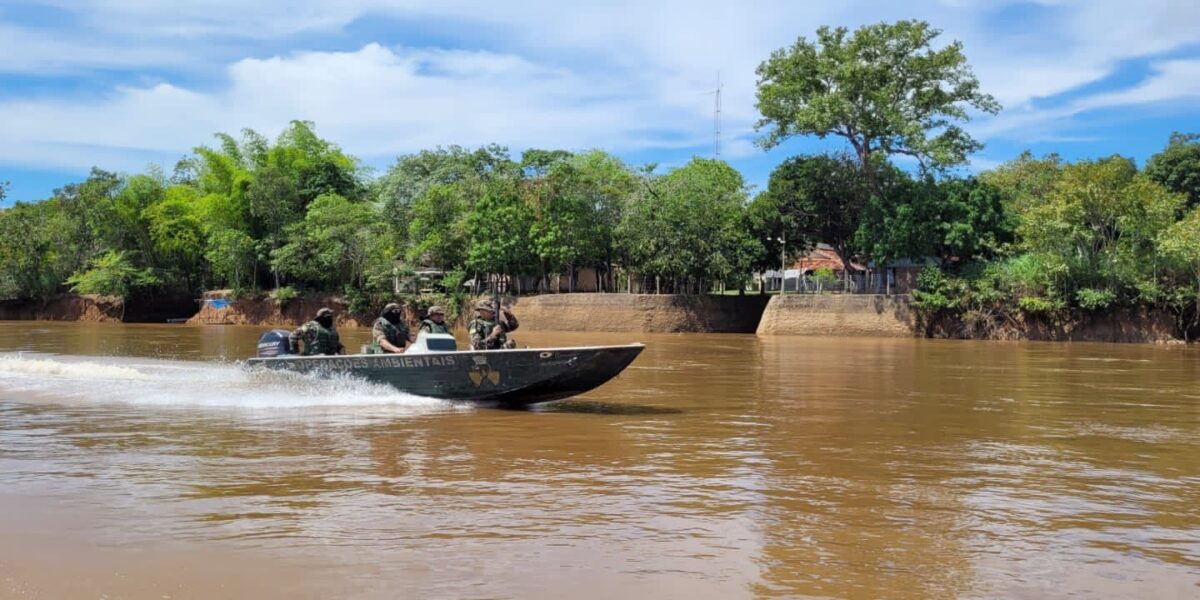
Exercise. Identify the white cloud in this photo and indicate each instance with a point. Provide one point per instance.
(621, 75)
(380, 101)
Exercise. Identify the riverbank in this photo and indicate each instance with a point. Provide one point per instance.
(893, 316)
(647, 313)
(549, 312)
(793, 314)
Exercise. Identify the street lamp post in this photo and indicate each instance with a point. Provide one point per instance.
(782, 264)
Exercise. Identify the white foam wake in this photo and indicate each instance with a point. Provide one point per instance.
(167, 383)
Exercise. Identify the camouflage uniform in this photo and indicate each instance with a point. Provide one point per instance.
(396, 335)
(317, 338)
(431, 326)
(480, 328)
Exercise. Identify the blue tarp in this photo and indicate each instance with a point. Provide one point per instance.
(217, 303)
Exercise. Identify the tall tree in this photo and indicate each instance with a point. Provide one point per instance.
(1177, 167)
(820, 199)
(884, 88)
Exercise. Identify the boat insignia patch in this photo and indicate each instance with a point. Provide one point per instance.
(481, 373)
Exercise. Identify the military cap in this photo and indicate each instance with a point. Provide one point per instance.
(390, 307)
(485, 305)
(435, 310)
(325, 312)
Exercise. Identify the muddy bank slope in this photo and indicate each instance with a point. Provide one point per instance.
(893, 316)
(219, 307)
(667, 313)
(65, 307)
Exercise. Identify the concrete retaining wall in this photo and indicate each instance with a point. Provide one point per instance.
(847, 315)
(666, 313)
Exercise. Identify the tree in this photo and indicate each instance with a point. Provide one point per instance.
(339, 243)
(177, 234)
(1177, 167)
(577, 206)
(820, 199)
(437, 229)
(1100, 220)
(956, 220)
(111, 274)
(884, 88)
(498, 230)
(688, 227)
(407, 181)
(1179, 245)
(232, 255)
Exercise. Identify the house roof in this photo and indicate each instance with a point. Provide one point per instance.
(823, 255)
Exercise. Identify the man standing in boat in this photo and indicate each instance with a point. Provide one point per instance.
(319, 336)
(389, 333)
(435, 321)
(486, 332)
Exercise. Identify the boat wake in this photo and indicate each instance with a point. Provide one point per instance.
(53, 378)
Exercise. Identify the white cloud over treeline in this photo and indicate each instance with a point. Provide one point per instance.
(624, 76)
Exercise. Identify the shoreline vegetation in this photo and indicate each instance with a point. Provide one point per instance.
(1034, 240)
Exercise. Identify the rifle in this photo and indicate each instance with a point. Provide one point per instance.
(498, 329)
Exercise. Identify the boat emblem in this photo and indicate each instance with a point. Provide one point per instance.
(545, 355)
(481, 373)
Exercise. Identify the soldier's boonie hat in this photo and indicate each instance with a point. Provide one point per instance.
(485, 305)
(325, 312)
(435, 310)
(390, 307)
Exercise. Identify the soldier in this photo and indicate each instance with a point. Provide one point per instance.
(435, 321)
(486, 332)
(389, 333)
(318, 335)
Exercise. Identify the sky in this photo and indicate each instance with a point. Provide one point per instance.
(123, 84)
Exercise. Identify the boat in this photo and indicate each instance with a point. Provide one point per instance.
(433, 367)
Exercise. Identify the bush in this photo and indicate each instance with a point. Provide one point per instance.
(1036, 305)
(284, 296)
(1094, 299)
(938, 292)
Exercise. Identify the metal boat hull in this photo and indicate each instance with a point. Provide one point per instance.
(509, 377)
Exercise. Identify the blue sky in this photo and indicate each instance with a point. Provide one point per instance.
(121, 84)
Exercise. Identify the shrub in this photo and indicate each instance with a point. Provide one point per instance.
(284, 296)
(1094, 299)
(1037, 305)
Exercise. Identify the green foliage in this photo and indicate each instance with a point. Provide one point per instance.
(937, 292)
(689, 225)
(231, 255)
(884, 88)
(1177, 167)
(339, 243)
(112, 274)
(1095, 300)
(819, 199)
(284, 296)
(955, 220)
(1036, 305)
(498, 229)
(825, 275)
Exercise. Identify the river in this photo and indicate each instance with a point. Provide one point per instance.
(141, 461)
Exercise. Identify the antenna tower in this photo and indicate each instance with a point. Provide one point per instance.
(717, 120)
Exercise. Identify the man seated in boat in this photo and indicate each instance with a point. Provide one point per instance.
(435, 321)
(318, 335)
(487, 333)
(389, 333)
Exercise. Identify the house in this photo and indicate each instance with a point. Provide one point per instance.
(824, 256)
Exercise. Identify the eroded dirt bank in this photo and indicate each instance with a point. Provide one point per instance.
(892, 316)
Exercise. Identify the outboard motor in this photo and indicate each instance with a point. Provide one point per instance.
(274, 343)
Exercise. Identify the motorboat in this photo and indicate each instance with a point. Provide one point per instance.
(434, 367)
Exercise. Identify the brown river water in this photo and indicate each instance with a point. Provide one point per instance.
(141, 461)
